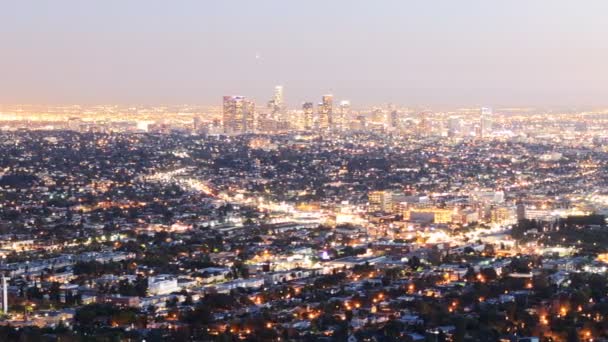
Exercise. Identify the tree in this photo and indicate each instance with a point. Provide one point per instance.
(572, 335)
(414, 262)
(489, 274)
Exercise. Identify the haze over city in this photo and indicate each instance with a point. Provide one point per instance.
(424, 53)
(302, 171)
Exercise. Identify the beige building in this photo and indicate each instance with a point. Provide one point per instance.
(380, 201)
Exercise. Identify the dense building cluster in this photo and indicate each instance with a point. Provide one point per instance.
(428, 227)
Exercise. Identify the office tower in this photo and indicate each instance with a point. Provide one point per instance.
(378, 115)
(238, 115)
(454, 125)
(424, 125)
(380, 201)
(308, 113)
(276, 105)
(325, 112)
(520, 210)
(278, 96)
(197, 123)
(360, 123)
(485, 122)
(340, 120)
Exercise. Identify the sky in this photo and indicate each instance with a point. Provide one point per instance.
(406, 52)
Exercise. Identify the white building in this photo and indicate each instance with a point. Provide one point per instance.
(162, 284)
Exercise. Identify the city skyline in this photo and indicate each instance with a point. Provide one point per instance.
(269, 170)
(439, 54)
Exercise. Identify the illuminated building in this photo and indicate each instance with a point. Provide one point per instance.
(380, 201)
(339, 122)
(307, 115)
(197, 124)
(434, 215)
(325, 112)
(238, 115)
(502, 215)
(465, 216)
(360, 123)
(379, 116)
(424, 125)
(278, 96)
(454, 125)
(276, 105)
(488, 196)
(486, 122)
(162, 284)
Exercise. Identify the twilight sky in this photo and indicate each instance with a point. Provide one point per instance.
(433, 52)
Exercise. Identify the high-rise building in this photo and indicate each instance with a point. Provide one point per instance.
(278, 96)
(360, 123)
(520, 209)
(454, 125)
(340, 120)
(395, 120)
(486, 122)
(378, 116)
(197, 123)
(380, 201)
(238, 115)
(325, 112)
(276, 104)
(424, 125)
(308, 113)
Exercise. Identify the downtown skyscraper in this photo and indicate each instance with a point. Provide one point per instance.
(486, 122)
(308, 116)
(325, 113)
(339, 121)
(238, 115)
(278, 96)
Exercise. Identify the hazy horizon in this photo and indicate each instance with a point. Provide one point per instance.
(434, 53)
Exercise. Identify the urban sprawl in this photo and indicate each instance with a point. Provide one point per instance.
(327, 222)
